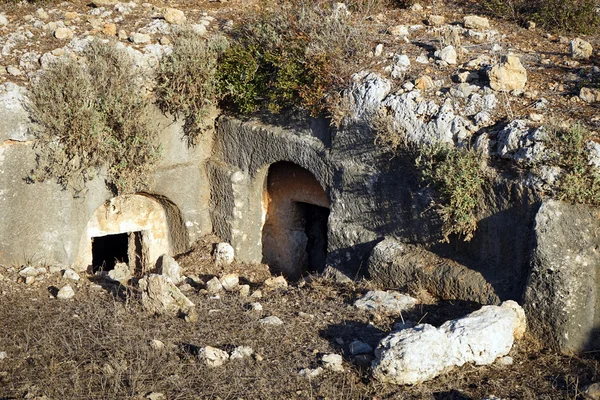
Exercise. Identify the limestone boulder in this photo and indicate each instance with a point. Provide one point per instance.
(476, 22)
(212, 356)
(589, 95)
(508, 75)
(385, 302)
(580, 49)
(224, 254)
(161, 296)
(174, 16)
(120, 273)
(168, 267)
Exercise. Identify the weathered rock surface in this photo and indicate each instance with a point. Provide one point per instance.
(385, 302)
(14, 119)
(230, 282)
(167, 266)
(213, 357)
(414, 355)
(476, 22)
(224, 254)
(562, 293)
(161, 296)
(580, 49)
(333, 362)
(271, 321)
(65, 293)
(508, 75)
(396, 264)
(589, 95)
(120, 273)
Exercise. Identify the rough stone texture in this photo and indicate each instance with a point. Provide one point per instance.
(385, 302)
(580, 49)
(230, 282)
(167, 266)
(447, 54)
(14, 124)
(65, 293)
(476, 22)
(508, 75)
(333, 362)
(589, 95)
(224, 254)
(562, 297)
(174, 16)
(161, 296)
(414, 355)
(212, 356)
(396, 264)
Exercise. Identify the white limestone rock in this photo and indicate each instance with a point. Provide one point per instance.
(385, 302)
(333, 362)
(161, 296)
(277, 282)
(70, 274)
(214, 286)
(65, 293)
(448, 55)
(241, 352)
(366, 94)
(14, 119)
(120, 273)
(271, 321)
(167, 266)
(230, 282)
(580, 49)
(212, 356)
(476, 22)
(224, 254)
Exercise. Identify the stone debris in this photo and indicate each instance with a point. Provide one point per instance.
(120, 273)
(168, 267)
(174, 16)
(398, 30)
(436, 20)
(156, 396)
(224, 254)
(230, 282)
(70, 274)
(3, 355)
(508, 75)
(476, 22)
(580, 49)
(244, 290)
(256, 307)
(241, 352)
(357, 347)
(415, 355)
(389, 302)
(161, 296)
(65, 293)
(3, 20)
(157, 345)
(333, 362)
(447, 55)
(63, 33)
(278, 282)
(311, 372)
(212, 356)
(271, 321)
(140, 38)
(214, 286)
(589, 95)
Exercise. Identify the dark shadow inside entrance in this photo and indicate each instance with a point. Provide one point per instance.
(315, 228)
(122, 247)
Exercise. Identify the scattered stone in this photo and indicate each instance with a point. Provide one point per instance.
(70, 15)
(63, 33)
(140, 38)
(476, 22)
(241, 352)
(70, 274)
(157, 345)
(272, 320)
(436, 20)
(278, 282)
(167, 266)
(230, 282)
(164, 41)
(333, 362)
(3, 355)
(387, 302)
(42, 14)
(357, 347)
(378, 50)
(212, 356)
(161, 296)
(199, 29)
(580, 49)
(244, 290)
(415, 355)
(364, 360)
(589, 95)
(398, 30)
(123, 35)
(120, 273)
(256, 307)
(109, 29)
(447, 54)
(257, 294)
(416, 7)
(65, 293)
(30, 271)
(224, 254)
(214, 286)
(508, 75)
(104, 3)
(592, 392)
(156, 396)
(174, 16)
(530, 25)
(311, 373)
(3, 20)
(14, 71)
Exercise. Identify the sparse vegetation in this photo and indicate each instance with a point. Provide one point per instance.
(91, 116)
(578, 16)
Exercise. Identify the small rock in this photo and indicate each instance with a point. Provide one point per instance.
(164, 41)
(378, 50)
(333, 362)
(70, 274)
(311, 373)
(580, 49)
(509, 75)
(161, 296)
(447, 54)
(244, 290)
(29, 271)
(256, 307)
(589, 95)
(436, 20)
(389, 302)
(70, 15)
(422, 59)
(278, 282)
(214, 286)
(63, 33)
(199, 29)
(230, 282)
(3, 355)
(257, 294)
(122, 35)
(3, 20)
(416, 7)
(398, 30)
(476, 22)
(104, 3)
(506, 360)
(156, 396)
(424, 83)
(65, 293)
(224, 254)
(174, 16)
(167, 266)
(140, 38)
(212, 356)
(120, 273)
(109, 29)
(157, 345)
(241, 352)
(530, 25)
(14, 71)
(272, 320)
(357, 347)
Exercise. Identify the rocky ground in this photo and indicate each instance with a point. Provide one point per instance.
(269, 339)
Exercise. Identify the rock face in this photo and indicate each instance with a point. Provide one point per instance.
(161, 296)
(508, 75)
(562, 296)
(417, 354)
(396, 264)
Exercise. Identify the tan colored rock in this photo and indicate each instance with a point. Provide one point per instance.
(109, 29)
(63, 33)
(398, 30)
(424, 82)
(161, 296)
(70, 15)
(508, 75)
(476, 22)
(104, 3)
(174, 16)
(436, 20)
(589, 95)
(580, 49)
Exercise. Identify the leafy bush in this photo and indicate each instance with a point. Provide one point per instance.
(459, 180)
(91, 116)
(580, 182)
(578, 16)
(295, 54)
(186, 80)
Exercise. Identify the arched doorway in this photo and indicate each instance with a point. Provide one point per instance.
(294, 236)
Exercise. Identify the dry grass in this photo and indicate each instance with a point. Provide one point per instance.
(96, 346)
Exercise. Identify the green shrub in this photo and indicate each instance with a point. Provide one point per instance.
(186, 80)
(459, 181)
(90, 117)
(580, 182)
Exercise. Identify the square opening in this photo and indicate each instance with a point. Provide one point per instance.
(108, 250)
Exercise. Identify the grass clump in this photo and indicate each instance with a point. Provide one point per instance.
(580, 182)
(90, 116)
(577, 16)
(293, 54)
(186, 81)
